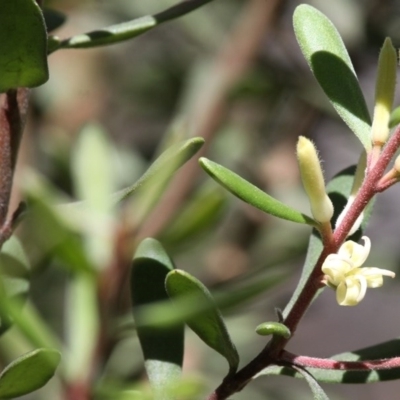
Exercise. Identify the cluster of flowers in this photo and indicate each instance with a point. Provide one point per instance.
(343, 270)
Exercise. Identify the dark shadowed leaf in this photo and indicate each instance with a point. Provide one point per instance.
(23, 45)
(162, 346)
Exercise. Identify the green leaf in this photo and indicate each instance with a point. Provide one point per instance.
(55, 236)
(91, 168)
(81, 326)
(227, 297)
(164, 166)
(394, 117)
(131, 29)
(23, 41)
(338, 190)
(111, 34)
(162, 347)
(330, 63)
(251, 194)
(28, 373)
(273, 328)
(15, 273)
(94, 185)
(209, 324)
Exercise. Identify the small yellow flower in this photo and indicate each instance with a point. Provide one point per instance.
(343, 272)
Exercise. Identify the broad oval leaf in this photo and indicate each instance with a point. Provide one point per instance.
(207, 324)
(162, 346)
(23, 45)
(28, 373)
(324, 50)
(251, 194)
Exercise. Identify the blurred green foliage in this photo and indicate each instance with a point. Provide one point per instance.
(98, 124)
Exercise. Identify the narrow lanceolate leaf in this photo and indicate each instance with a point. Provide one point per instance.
(330, 63)
(94, 184)
(251, 194)
(28, 373)
(23, 42)
(111, 34)
(208, 324)
(131, 29)
(162, 346)
(164, 166)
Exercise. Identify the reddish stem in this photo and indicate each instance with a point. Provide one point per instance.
(323, 363)
(13, 109)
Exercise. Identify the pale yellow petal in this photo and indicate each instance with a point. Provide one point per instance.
(355, 252)
(348, 293)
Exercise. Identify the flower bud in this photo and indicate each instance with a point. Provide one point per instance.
(313, 180)
(384, 93)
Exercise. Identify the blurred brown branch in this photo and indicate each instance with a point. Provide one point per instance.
(229, 66)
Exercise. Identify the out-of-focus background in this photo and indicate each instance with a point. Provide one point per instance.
(233, 73)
